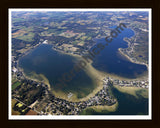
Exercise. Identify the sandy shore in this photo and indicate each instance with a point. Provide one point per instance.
(97, 77)
(35, 77)
(94, 74)
(99, 108)
(70, 54)
(132, 90)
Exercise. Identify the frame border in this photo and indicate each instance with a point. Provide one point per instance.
(154, 4)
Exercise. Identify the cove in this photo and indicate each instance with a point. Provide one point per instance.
(52, 64)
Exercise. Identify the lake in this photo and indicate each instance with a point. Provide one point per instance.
(52, 64)
(128, 105)
(109, 60)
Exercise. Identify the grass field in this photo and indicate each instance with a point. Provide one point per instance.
(16, 84)
(26, 37)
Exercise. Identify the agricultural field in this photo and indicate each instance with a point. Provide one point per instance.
(31, 112)
(13, 111)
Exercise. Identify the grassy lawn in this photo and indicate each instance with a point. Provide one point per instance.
(16, 84)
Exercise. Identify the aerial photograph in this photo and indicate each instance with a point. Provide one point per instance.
(79, 62)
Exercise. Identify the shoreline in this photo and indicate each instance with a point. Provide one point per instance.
(131, 60)
(62, 52)
(96, 75)
(28, 51)
(144, 75)
(45, 80)
(100, 108)
(97, 80)
(132, 90)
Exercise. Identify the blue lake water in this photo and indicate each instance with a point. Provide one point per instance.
(127, 105)
(52, 64)
(44, 60)
(109, 60)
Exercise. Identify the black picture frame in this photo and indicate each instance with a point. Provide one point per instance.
(153, 4)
